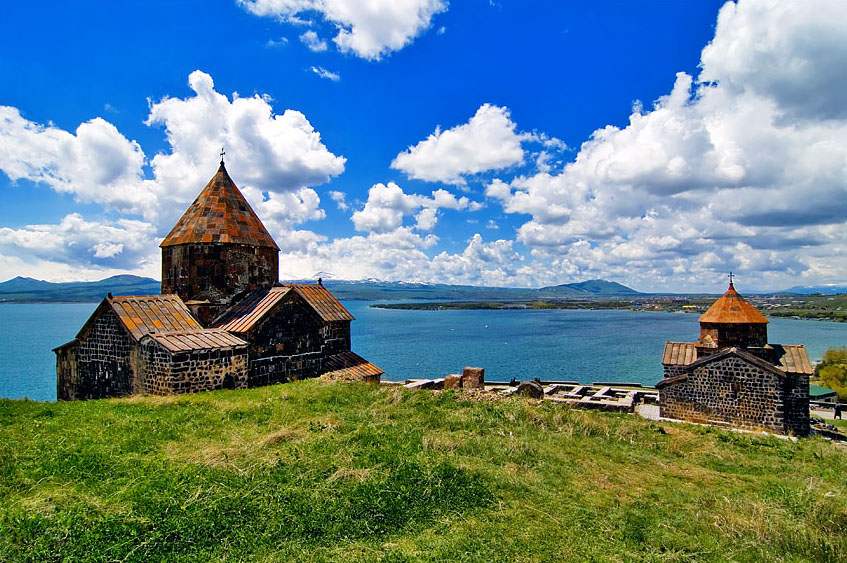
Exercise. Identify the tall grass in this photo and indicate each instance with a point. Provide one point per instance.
(309, 472)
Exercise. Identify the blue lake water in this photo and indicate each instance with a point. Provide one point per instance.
(580, 345)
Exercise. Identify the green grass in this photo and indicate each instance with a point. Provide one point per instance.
(308, 471)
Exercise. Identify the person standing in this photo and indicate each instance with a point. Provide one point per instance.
(837, 409)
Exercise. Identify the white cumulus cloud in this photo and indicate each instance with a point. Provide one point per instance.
(740, 167)
(122, 244)
(96, 163)
(265, 150)
(403, 254)
(274, 157)
(369, 29)
(743, 168)
(388, 205)
(793, 53)
(488, 141)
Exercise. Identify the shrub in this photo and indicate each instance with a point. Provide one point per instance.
(832, 371)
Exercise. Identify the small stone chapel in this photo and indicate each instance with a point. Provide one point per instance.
(223, 320)
(733, 376)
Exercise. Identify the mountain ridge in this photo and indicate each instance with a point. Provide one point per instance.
(29, 290)
(826, 289)
(22, 289)
(597, 287)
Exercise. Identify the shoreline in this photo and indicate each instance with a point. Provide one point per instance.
(636, 307)
(647, 306)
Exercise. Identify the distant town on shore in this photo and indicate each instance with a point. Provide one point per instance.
(803, 302)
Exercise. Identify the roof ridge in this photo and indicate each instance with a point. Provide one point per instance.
(190, 330)
(155, 296)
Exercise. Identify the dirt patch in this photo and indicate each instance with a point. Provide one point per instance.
(281, 436)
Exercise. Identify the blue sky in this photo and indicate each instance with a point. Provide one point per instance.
(77, 205)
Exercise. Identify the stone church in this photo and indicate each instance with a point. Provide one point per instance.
(733, 376)
(223, 320)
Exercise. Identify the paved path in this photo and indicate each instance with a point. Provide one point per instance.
(826, 414)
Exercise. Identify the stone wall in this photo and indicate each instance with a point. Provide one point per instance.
(67, 372)
(164, 373)
(736, 392)
(292, 343)
(217, 273)
(101, 364)
(797, 404)
(674, 370)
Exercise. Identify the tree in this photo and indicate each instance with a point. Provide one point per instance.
(832, 371)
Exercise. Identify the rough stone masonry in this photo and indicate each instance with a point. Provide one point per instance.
(732, 376)
(223, 320)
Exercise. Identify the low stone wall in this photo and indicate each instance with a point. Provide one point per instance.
(191, 372)
(268, 370)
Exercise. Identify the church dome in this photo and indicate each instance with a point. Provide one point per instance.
(731, 308)
(220, 214)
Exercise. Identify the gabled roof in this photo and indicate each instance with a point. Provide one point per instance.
(244, 315)
(679, 353)
(793, 358)
(323, 302)
(348, 366)
(145, 314)
(731, 308)
(220, 214)
(790, 358)
(202, 339)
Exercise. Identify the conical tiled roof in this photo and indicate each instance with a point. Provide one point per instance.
(220, 214)
(732, 308)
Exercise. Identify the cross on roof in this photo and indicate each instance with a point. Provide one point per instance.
(730, 279)
(222, 155)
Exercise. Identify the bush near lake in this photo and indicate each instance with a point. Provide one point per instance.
(321, 472)
(832, 371)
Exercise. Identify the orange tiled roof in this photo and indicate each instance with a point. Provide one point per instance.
(679, 353)
(347, 366)
(145, 314)
(203, 339)
(220, 214)
(793, 358)
(732, 308)
(323, 302)
(790, 358)
(243, 316)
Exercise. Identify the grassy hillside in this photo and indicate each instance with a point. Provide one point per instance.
(308, 471)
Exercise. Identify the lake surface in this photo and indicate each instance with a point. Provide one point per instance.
(566, 344)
